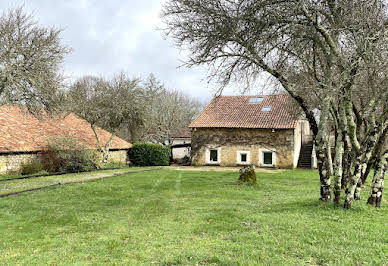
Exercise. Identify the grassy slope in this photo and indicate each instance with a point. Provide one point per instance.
(174, 217)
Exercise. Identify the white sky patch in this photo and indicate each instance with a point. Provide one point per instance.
(112, 36)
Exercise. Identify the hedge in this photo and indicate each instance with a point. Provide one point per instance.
(148, 154)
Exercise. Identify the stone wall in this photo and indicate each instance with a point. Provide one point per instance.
(231, 141)
(13, 162)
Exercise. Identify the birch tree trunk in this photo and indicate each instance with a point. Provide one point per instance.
(339, 152)
(321, 150)
(378, 181)
(346, 163)
(376, 151)
(364, 155)
(352, 129)
(351, 188)
(369, 147)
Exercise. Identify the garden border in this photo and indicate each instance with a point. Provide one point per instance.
(55, 174)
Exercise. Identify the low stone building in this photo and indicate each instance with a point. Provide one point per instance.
(243, 130)
(181, 144)
(23, 136)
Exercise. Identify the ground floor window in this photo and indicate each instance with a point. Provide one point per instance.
(243, 157)
(213, 155)
(267, 157)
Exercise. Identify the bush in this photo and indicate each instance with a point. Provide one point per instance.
(31, 168)
(68, 155)
(147, 154)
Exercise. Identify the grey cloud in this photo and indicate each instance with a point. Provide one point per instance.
(110, 36)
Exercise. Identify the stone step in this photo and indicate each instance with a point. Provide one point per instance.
(305, 156)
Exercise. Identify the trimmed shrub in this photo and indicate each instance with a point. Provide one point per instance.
(31, 168)
(68, 155)
(148, 154)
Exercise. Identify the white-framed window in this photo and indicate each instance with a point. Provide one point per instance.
(213, 155)
(243, 157)
(267, 157)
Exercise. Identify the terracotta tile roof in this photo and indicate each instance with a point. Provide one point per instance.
(238, 112)
(20, 131)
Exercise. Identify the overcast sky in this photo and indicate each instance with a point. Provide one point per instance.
(113, 35)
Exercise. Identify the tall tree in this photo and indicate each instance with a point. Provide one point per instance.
(167, 112)
(320, 51)
(108, 103)
(30, 60)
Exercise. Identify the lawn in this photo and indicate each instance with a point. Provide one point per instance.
(16, 185)
(174, 217)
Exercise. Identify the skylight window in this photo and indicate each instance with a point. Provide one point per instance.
(266, 109)
(256, 100)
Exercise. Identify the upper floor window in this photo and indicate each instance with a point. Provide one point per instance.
(256, 100)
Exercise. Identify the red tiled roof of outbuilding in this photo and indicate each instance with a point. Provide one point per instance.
(239, 112)
(22, 132)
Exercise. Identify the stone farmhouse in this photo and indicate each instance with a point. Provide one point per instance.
(244, 130)
(23, 136)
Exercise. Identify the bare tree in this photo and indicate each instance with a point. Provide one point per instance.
(168, 112)
(30, 59)
(108, 103)
(319, 51)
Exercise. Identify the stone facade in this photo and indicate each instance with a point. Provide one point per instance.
(230, 143)
(12, 162)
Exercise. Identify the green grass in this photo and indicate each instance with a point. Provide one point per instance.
(20, 185)
(17, 174)
(186, 217)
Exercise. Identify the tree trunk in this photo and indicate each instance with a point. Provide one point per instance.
(346, 164)
(322, 151)
(351, 188)
(376, 151)
(329, 157)
(357, 192)
(367, 171)
(106, 152)
(378, 181)
(356, 148)
(367, 151)
(338, 168)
